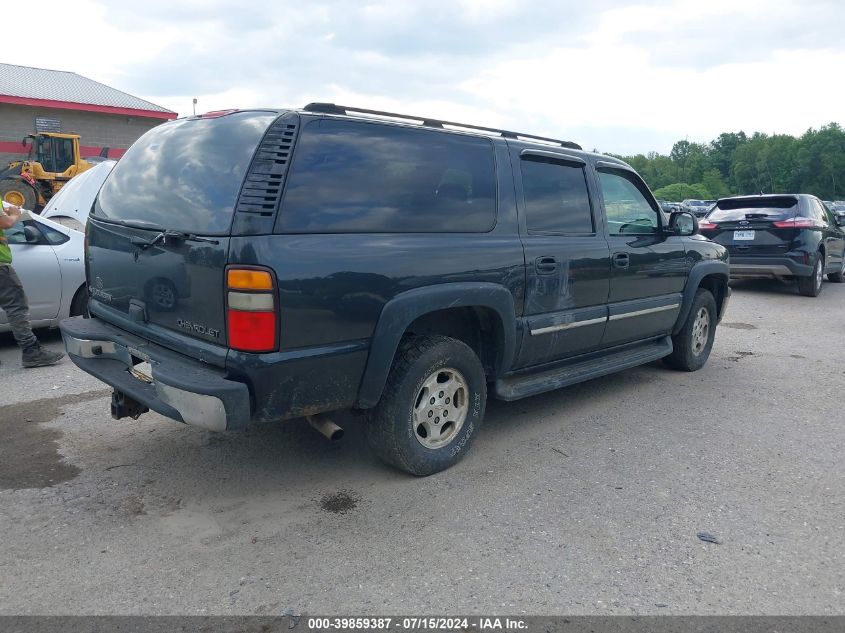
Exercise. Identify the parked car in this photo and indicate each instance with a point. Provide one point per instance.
(71, 205)
(670, 207)
(339, 260)
(783, 236)
(699, 208)
(838, 208)
(48, 258)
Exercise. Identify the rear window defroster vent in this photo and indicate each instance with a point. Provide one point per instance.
(265, 179)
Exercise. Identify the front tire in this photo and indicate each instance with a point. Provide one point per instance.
(692, 345)
(811, 286)
(431, 408)
(19, 193)
(79, 304)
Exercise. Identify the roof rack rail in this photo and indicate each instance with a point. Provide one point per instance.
(331, 108)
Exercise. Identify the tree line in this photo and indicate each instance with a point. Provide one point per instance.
(738, 164)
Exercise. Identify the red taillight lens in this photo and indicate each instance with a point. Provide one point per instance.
(252, 331)
(704, 225)
(251, 314)
(796, 223)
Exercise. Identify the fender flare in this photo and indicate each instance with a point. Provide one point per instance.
(404, 308)
(698, 272)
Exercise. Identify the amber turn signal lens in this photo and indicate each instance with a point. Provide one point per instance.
(249, 279)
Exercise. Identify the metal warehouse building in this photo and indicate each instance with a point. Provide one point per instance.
(38, 100)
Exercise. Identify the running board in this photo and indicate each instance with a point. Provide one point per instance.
(530, 384)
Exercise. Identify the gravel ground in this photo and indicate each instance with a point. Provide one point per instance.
(587, 500)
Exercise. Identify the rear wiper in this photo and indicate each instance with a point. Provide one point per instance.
(170, 236)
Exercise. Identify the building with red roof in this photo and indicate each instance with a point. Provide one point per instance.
(39, 100)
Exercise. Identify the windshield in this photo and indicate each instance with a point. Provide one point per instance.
(734, 209)
(184, 175)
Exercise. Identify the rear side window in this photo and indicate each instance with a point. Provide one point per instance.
(184, 175)
(817, 211)
(349, 176)
(556, 198)
(768, 208)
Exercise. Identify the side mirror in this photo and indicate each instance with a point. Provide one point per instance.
(31, 234)
(683, 223)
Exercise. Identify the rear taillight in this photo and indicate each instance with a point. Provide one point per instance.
(796, 223)
(704, 225)
(251, 310)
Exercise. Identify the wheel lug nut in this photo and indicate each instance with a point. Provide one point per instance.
(440, 394)
(445, 414)
(431, 401)
(437, 420)
(447, 400)
(430, 413)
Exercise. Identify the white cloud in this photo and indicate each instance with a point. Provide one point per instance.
(622, 76)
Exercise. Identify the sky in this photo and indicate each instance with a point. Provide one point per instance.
(623, 77)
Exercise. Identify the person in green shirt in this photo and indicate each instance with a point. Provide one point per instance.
(13, 299)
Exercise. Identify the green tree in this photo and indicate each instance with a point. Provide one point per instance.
(737, 163)
(681, 191)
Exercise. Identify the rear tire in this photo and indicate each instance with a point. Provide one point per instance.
(692, 345)
(431, 408)
(839, 277)
(18, 192)
(811, 286)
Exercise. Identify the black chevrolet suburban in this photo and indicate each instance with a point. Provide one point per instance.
(333, 258)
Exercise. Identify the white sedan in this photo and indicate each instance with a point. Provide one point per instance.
(49, 260)
(71, 205)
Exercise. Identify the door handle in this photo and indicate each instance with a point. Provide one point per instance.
(621, 260)
(545, 265)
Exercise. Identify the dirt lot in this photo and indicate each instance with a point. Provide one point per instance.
(585, 500)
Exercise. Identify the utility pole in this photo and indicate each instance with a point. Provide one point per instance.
(195, 106)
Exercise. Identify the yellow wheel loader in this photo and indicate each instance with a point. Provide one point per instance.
(53, 160)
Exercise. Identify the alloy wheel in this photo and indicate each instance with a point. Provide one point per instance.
(441, 408)
(700, 331)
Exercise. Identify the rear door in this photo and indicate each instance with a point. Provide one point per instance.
(648, 266)
(158, 235)
(566, 255)
(834, 239)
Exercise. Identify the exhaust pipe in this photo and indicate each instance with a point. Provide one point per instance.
(325, 426)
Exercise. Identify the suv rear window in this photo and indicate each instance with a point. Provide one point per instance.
(184, 175)
(733, 209)
(350, 176)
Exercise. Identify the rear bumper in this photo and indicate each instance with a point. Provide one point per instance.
(744, 267)
(182, 388)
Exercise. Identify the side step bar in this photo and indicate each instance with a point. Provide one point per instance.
(530, 384)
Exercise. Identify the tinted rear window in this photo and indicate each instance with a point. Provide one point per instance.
(184, 175)
(349, 176)
(733, 209)
(556, 198)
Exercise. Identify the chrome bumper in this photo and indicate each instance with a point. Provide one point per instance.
(181, 388)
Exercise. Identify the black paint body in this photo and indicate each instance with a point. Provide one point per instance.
(346, 299)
